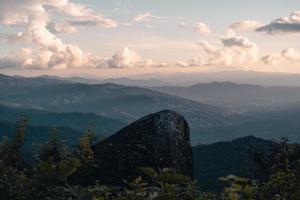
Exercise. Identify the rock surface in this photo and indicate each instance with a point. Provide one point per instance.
(159, 140)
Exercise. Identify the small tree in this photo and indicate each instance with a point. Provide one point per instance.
(284, 178)
(10, 151)
(84, 149)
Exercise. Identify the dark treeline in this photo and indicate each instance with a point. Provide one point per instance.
(275, 175)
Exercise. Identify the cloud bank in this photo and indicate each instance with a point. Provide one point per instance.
(39, 24)
(283, 25)
(289, 55)
(126, 58)
(234, 50)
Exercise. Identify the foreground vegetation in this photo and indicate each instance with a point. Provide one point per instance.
(51, 175)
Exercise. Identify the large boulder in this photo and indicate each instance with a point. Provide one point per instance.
(160, 140)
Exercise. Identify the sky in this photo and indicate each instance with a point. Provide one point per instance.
(126, 37)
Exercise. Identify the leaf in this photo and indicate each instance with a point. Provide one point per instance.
(150, 172)
(138, 180)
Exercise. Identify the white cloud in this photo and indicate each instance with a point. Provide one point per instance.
(283, 25)
(234, 50)
(272, 59)
(245, 25)
(197, 61)
(216, 55)
(289, 55)
(50, 51)
(229, 51)
(20, 59)
(239, 42)
(146, 17)
(182, 64)
(84, 16)
(62, 27)
(126, 58)
(70, 26)
(202, 28)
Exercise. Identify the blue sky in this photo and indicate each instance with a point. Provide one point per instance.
(167, 38)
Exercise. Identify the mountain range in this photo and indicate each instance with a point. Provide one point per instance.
(121, 81)
(187, 79)
(115, 101)
(215, 111)
(238, 97)
(238, 76)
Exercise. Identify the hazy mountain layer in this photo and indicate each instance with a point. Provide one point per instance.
(115, 101)
(208, 123)
(239, 97)
(77, 121)
(243, 77)
(122, 81)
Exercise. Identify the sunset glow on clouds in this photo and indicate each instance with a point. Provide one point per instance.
(36, 34)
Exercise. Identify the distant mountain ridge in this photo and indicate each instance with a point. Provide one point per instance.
(238, 76)
(19, 81)
(186, 79)
(76, 121)
(241, 97)
(121, 81)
